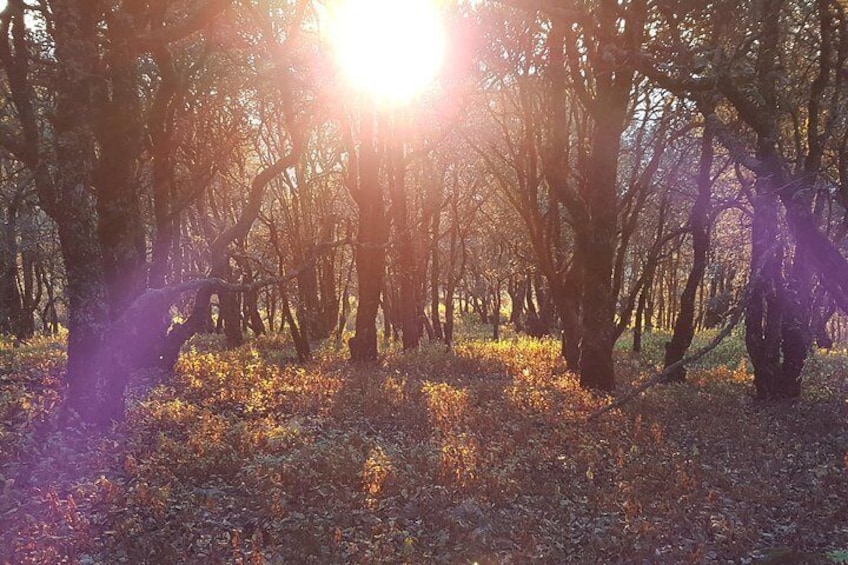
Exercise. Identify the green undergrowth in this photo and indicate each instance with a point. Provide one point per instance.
(478, 453)
(729, 353)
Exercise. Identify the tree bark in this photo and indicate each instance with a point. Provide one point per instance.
(75, 209)
(569, 313)
(596, 243)
(496, 311)
(407, 303)
(10, 296)
(516, 291)
(684, 326)
(301, 343)
(328, 303)
(370, 253)
(119, 133)
(250, 303)
(765, 310)
(435, 273)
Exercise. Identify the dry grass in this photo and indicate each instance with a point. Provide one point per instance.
(472, 455)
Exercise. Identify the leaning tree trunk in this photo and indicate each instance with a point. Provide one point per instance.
(301, 342)
(638, 323)
(199, 319)
(684, 326)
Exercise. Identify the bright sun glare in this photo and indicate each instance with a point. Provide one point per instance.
(391, 50)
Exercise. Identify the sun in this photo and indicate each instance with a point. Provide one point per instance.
(391, 50)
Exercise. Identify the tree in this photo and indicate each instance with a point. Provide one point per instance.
(86, 162)
(756, 119)
(699, 226)
(372, 236)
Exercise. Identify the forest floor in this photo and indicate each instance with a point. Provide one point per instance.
(476, 454)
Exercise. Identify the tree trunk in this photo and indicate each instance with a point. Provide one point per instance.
(406, 305)
(596, 366)
(596, 244)
(370, 248)
(435, 273)
(528, 295)
(496, 312)
(454, 274)
(301, 343)
(328, 305)
(774, 329)
(516, 292)
(33, 289)
(569, 313)
(762, 313)
(75, 208)
(10, 296)
(481, 306)
(200, 320)
(229, 311)
(638, 323)
(449, 313)
(596, 239)
(88, 310)
(344, 306)
(120, 136)
(250, 304)
(547, 305)
(308, 304)
(684, 327)
(820, 319)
